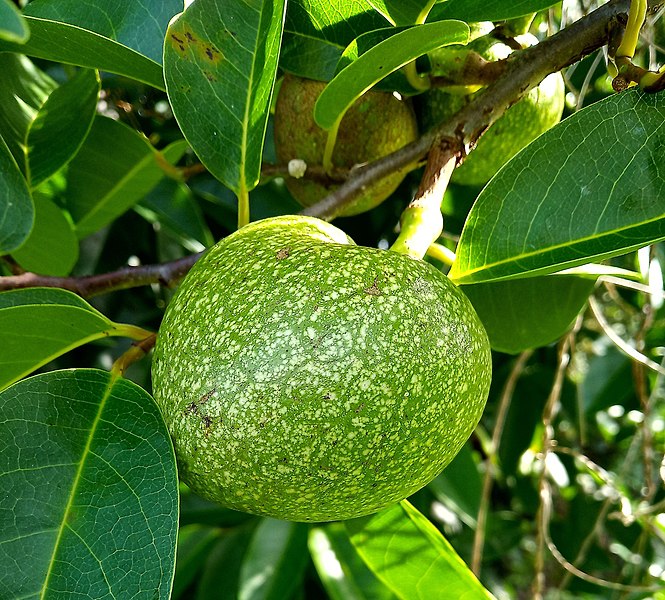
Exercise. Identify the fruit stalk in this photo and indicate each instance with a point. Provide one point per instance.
(421, 221)
(243, 207)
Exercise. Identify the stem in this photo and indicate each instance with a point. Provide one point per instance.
(441, 253)
(330, 147)
(243, 206)
(132, 331)
(137, 351)
(488, 480)
(416, 80)
(636, 16)
(422, 222)
(422, 17)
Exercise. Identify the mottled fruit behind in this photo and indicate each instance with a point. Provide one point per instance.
(539, 110)
(377, 124)
(309, 379)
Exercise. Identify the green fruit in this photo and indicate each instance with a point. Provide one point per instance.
(375, 125)
(306, 378)
(522, 123)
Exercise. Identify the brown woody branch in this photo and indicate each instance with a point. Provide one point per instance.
(167, 274)
(521, 72)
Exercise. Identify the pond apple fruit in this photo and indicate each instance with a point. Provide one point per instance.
(309, 379)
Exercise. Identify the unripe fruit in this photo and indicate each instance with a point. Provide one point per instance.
(306, 378)
(522, 123)
(376, 125)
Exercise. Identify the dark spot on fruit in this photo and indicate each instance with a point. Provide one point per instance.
(191, 409)
(362, 405)
(283, 253)
(326, 396)
(207, 396)
(207, 423)
(373, 290)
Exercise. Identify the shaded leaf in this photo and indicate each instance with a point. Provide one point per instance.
(13, 26)
(381, 60)
(61, 125)
(459, 486)
(274, 564)
(136, 25)
(402, 12)
(194, 544)
(60, 42)
(221, 571)
(89, 487)
(16, 207)
(343, 573)
(486, 10)
(226, 61)
(115, 168)
(52, 246)
(528, 313)
(173, 205)
(24, 90)
(411, 556)
(589, 188)
(39, 324)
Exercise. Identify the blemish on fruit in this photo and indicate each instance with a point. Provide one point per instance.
(373, 290)
(283, 253)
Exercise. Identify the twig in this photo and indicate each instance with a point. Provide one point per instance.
(488, 480)
(167, 274)
(524, 70)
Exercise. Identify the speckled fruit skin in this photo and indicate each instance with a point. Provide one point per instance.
(376, 125)
(522, 123)
(309, 379)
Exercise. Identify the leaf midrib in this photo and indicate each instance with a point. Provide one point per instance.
(77, 479)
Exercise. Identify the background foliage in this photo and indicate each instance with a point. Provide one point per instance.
(114, 153)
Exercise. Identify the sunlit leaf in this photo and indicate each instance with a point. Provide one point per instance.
(486, 10)
(411, 556)
(39, 324)
(590, 188)
(220, 67)
(381, 60)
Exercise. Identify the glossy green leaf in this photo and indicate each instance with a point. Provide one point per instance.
(52, 246)
(587, 189)
(317, 31)
(13, 26)
(69, 44)
(274, 564)
(411, 556)
(403, 12)
(226, 61)
(61, 125)
(115, 168)
(90, 504)
(343, 573)
(528, 313)
(140, 26)
(487, 10)
(459, 487)
(381, 60)
(39, 324)
(16, 207)
(24, 90)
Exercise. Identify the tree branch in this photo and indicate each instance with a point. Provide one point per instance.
(523, 71)
(167, 274)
